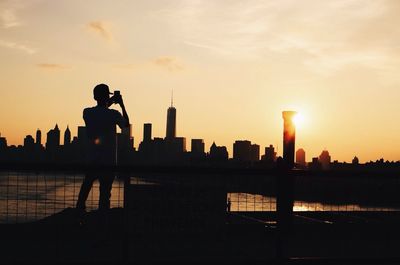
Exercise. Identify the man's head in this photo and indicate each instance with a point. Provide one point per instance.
(101, 93)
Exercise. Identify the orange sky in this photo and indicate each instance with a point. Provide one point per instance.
(233, 66)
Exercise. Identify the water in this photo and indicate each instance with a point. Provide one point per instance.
(27, 196)
(246, 202)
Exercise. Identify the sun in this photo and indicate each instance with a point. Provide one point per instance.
(298, 119)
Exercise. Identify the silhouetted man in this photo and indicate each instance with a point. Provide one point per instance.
(101, 131)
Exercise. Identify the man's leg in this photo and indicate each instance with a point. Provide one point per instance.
(106, 182)
(87, 184)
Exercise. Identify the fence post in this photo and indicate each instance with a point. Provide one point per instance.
(284, 209)
(125, 236)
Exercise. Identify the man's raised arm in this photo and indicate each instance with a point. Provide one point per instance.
(124, 113)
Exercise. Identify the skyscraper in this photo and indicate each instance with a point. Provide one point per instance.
(125, 140)
(38, 137)
(67, 136)
(301, 157)
(147, 132)
(219, 153)
(29, 142)
(289, 137)
(270, 154)
(241, 150)
(53, 138)
(198, 146)
(82, 134)
(325, 159)
(146, 145)
(254, 152)
(244, 151)
(171, 122)
(3, 142)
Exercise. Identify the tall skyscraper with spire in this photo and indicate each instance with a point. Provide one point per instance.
(67, 136)
(38, 137)
(171, 120)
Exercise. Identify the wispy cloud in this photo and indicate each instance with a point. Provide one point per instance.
(126, 66)
(205, 46)
(164, 63)
(52, 66)
(322, 36)
(169, 63)
(9, 12)
(102, 29)
(17, 46)
(8, 18)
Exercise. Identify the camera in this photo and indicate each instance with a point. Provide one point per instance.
(116, 98)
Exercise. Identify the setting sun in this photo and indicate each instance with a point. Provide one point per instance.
(298, 120)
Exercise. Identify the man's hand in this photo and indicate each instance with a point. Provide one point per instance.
(119, 100)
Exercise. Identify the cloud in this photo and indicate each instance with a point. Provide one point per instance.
(51, 66)
(169, 63)
(125, 66)
(9, 10)
(322, 36)
(204, 46)
(17, 46)
(9, 19)
(165, 63)
(102, 29)
(326, 64)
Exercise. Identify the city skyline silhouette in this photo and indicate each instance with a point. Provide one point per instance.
(242, 150)
(158, 128)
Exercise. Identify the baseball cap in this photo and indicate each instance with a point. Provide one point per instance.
(101, 91)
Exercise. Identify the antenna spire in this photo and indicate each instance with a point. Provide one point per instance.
(172, 98)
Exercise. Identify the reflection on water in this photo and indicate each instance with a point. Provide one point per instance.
(253, 202)
(28, 196)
